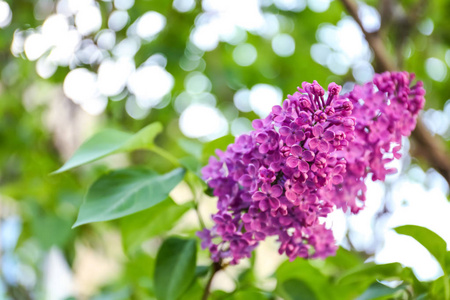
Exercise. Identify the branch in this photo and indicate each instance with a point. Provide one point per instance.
(217, 266)
(432, 148)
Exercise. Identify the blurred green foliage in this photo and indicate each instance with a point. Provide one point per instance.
(48, 205)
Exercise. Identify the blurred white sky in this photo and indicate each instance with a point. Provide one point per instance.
(72, 37)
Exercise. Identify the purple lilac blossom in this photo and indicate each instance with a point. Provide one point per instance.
(304, 160)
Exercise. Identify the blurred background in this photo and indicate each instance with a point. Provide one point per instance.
(205, 69)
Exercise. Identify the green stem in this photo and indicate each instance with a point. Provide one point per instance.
(196, 202)
(165, 154)
(446, 286)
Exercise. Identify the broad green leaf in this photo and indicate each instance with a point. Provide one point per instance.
(219, 295)
(247, 295)
(447, 260)
(51, 231)
(343, 260)
(303, 271)
(295, 289)
(195, 291)
(175, 268)
(381, 291)
(151, 222)
(201, 271)
(124, 192)
(438, 286)
(109, 142)
(143, 139)
(429, 239)
(370, 272)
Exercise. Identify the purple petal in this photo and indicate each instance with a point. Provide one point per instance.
(290, 140)
(312, 198)
(291, 195)
(292, 162)
(246, 218)
(308, 155)
(279, 118)
(245, 180)
(277, 109)
(285, 221)
(300, 135)
(261, 137)
(256, 225)
(313, 143)
(276, 190)
(259, 236)
(264, 205)
(303, 166)
(257, 196)
(323, 146)
(257, 124)
(338, 169)
(264, 148)
(337, 179)
(328, 135)
(284, 131)
(296, 150)
(317, 130)
(274, 203)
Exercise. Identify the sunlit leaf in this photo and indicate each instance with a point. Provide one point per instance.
(370, 272)
(427, 238)
(109, 142)
(175, 268)
(124, 192)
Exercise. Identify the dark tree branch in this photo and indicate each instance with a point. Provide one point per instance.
(217, 266)
(432, 148)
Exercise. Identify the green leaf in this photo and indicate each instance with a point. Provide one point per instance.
(211, 147)
(447, 260)
(370, 272)
(109, 142)
(438, 286)
(175, 268)
(195, 291)
(343, 260)
(151, 222)
(429, 239)
(201, 271)
(378, 290)
(124, 192)
(303, 271)
(295, 289)
(51, 230)
(247, 295)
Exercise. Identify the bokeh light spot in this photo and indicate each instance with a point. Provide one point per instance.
(283, 45)
(245, 54)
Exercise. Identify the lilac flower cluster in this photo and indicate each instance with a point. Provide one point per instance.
(305, 159)
(386, 110)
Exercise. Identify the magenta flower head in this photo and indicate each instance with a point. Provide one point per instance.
(305, 159)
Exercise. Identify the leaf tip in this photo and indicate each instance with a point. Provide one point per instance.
(77, 224)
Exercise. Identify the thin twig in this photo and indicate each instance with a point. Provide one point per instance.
(217, 266)
(431, 148)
